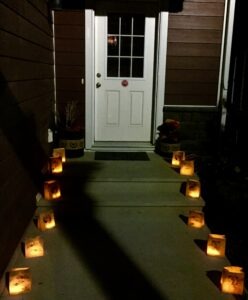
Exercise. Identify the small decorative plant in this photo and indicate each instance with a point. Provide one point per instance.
(169, 131)
(69, 121)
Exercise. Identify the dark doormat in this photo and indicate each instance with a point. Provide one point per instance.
(121, 156)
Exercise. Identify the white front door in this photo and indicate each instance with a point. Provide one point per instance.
(124, 59)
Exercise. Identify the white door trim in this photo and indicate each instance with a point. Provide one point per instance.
(159, 91)
(90, 76)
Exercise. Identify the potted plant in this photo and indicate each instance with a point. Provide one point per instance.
(70, 130)
(168, 140)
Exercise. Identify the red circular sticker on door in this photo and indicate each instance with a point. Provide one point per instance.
(124, 83)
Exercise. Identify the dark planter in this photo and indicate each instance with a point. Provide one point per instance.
(73, 142)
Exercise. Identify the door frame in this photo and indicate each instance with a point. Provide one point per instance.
(159, 75)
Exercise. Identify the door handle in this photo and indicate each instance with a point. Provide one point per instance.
(98, 85)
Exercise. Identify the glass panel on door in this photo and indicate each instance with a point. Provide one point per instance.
(125, 46)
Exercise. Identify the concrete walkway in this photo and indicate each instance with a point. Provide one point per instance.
(121, 233)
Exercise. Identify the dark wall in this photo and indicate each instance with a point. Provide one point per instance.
(26, 99)
(194, 48)
(70, 61)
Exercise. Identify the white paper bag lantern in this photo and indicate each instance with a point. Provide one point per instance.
(20, 281)
(216, 245)
(232, 280)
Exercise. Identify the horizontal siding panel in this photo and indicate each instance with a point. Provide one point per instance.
(69, 71)
(28, 12)
(69, 32)
(42, 6)
(14, 69)
(68, 18)
(34, 106)
(202, 9)
(191, 88)
(69, 84)
(64, 96)
(200, 100)
(22, 28)
(195, 36)
(23, 90)
(16, 47)
(195, 22)
(198, 63)
(192, 50)
(69, 45)
(192, 76)
(70, 59)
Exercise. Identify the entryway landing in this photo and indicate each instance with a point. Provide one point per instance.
(122, 146)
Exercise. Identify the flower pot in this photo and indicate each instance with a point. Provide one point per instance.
(73, 142)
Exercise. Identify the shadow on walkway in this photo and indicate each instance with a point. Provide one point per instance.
(116, 273)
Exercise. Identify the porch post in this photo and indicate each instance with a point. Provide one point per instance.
(162, 35)
(89, 78)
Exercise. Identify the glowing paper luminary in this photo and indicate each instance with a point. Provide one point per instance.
(187, 167)
(232, 280)
(196, 219)
(46, 220)
(216, 245)
(51, 190)
(193, 188)
(177, 158)
(55, 164)
(34, 247)
(59, 152)
(19, 281)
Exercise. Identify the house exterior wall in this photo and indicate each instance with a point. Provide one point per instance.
(192, 73)
(193, 53)
(26, 99)
(69, 32)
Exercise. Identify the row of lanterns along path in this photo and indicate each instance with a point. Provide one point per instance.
(20, 279)
(232, 278)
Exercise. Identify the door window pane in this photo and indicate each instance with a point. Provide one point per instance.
(138, 46)
(126, 25)
(139, 25)
(138, 66)
(113, 45)
(113, 24)
(125, 46)
(125, 64)
(112, 67)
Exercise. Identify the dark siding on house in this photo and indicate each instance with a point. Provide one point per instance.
(193, 54)
(69, 60)
(26, 98)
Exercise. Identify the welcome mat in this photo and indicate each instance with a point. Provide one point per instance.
(121, 156)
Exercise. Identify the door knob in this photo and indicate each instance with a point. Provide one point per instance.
(98, 85)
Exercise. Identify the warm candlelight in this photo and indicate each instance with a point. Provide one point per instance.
(193, 188)
(59, 152)
(34, 247)
(187, 167)
(19, 281)
(196, 219)
(216, 245)
(232, 280)
(51, 190)
(46, 220)
(55, 164)
(177, 158)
